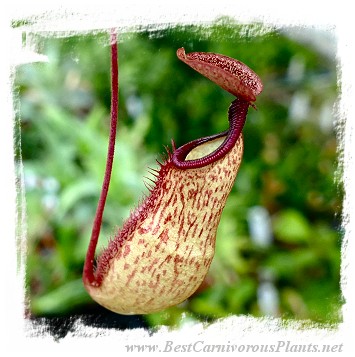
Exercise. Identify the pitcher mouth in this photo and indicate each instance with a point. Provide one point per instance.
(182, 158)
(201, 148)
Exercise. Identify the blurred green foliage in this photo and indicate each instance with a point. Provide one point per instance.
(287, 175)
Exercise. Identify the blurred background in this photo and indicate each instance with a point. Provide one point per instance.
(278, 243)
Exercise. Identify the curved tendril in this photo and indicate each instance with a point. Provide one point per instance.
(88, 273)
(237, 113)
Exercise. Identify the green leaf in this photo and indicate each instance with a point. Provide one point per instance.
(75, 192)
(61, 300)
(290, 226)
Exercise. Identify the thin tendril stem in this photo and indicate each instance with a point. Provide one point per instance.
(88, 273)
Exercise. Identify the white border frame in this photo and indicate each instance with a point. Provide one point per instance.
(83, 16)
